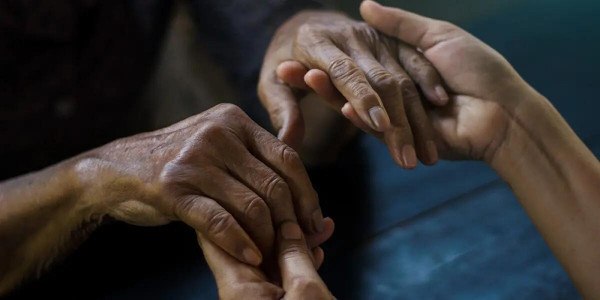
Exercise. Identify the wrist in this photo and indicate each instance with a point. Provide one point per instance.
(108, 185)
(537, 137)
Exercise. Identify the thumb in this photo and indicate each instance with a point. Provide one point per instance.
(416, 30)
(299, 277)
(283, 109)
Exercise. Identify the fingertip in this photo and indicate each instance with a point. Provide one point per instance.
(380, 121)
(366, 5)
(317, 221)
(367, 8)
(316, 79)
(432, 155)
(404, 155)
(319, 256)
(442, 95)
(252, 257)
(409, 157)
(328, 223)
(292, 130)
(347, 110)
(292, 73)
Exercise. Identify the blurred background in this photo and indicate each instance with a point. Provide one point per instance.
(449, 231)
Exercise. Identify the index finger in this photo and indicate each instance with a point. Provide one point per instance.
(284, 160)
(236, 280)
(350, 80)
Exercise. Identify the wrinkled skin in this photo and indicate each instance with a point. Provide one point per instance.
(218, 172)
(298, 276)
(486, 92)
(378, 75)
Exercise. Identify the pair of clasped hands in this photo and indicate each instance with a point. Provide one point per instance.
(425, 87)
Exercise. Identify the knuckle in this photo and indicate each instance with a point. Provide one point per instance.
(210, 130)
(383, 79)
(361, 27)
(290, 157)
(219, 222)
(228, 108)
(343, 69)
(183, 206)
(256, 211)
(307, 29)
(276, 188)
(407, 86)
(294, 251)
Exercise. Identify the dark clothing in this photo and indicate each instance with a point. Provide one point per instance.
(72, 72)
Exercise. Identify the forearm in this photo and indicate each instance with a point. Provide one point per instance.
(557, 180)
(41, 214)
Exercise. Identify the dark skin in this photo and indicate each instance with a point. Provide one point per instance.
(378, 75)
(218, 172)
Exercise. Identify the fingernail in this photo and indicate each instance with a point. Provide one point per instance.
(432, 152)
(441, 93)
(345, 108)
(251, 257)
(379, 118)
(291, 231)
(409, 157)
(317, 220)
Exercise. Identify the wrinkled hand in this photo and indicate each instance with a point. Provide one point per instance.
(374, 73)
(218, 172)
(486, 91)
(297, 265)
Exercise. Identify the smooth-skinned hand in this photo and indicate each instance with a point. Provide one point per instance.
(218, 172)
(378, 75)
(486, 92)
(298, 278)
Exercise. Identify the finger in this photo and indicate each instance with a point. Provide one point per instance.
(292, 73)
(316, 239)
(423, 73)
(282, 106)
(416, 30)
(234, 279)
(319, 82)
(266, 183)
(208, 217)
(298, 274)
(399, 138)
(350, 114)
(250, 210)
(286, 162)
(349, 79)
(318, 256)
(419, 122)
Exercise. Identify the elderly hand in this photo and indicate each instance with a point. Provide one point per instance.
(374, 73)
(297, 266)
(218, 172)
(486, 91)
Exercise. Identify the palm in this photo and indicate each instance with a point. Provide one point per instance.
(475, 120)
(467, 127)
